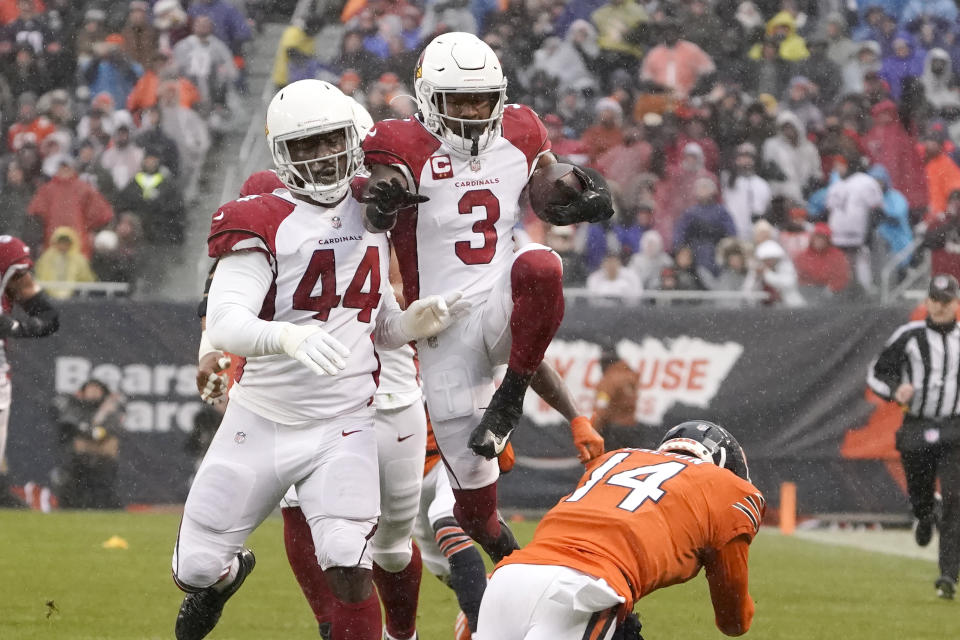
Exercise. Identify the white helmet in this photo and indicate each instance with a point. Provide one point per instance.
(306, 108)
(459, 62)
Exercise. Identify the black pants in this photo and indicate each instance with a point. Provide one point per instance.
(924, 461)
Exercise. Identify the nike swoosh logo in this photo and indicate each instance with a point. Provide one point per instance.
(371, 133)
(399, 439)
(347, 433)
(219, 216)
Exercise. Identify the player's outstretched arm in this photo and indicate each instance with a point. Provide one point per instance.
(421, 319)
(238, 289)
(386, 193)
(548, 384)
(727, 575)
(42, 319)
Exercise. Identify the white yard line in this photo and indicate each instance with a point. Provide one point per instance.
(897, 542)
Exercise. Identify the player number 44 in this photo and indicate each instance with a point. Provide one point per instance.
(323, 268)
(647, 488)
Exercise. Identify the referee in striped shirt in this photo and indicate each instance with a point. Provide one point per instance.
(920, 368)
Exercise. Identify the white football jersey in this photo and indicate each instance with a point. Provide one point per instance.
(329, 271)
(463, 237)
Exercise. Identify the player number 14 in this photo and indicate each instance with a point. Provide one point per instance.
(648, 488)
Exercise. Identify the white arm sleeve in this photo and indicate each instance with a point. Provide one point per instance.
(388, 333)
(239, 287)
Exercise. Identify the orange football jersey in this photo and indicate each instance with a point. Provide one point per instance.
(643, 520)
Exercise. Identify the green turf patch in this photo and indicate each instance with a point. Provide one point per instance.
(58, 582)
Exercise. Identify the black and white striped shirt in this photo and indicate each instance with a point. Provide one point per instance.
(928, 358)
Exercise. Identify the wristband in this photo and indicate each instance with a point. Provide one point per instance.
(206, 346)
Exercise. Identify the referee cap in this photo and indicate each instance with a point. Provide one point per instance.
(944, 288)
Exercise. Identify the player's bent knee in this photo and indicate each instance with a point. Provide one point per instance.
(219, 496)
(343, 543)
(538, 266)
(195, 571)
(401, 502)
(392, 561)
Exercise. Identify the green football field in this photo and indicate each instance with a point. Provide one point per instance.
(58, 582)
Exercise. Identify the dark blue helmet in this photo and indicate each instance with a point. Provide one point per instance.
(709, 442)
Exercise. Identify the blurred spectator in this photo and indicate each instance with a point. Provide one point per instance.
(755, 127)
(28, 73)
(799, 100)
(91, 33)
(822, 72)
(905, 61)
(746, 195)
(607, 130)
(451, 15)
(562, 145)
(854, 203)
(771, 72)
(68, 201)
(840, 48)
(389, 98)
(229, 25)
(822, 265)
(695, 130)
(63, 262)
(300, 37)
(675, 193)
(561, 240)
(625, 164)
(30, 27)
(943, 237)
(570, 61)
(153, 140)
(188, 131)
(615, 405)
(29, 126)
(894, 228)
(113, 261)
(794, 231)
(676, 63)
(617, 22)
(140, 39)
(153, 196)
(90, 422)
(774, 273)
(866, 60)
(939, 83)
(703, 27)
(611, 279)
(98, 125)
(10, 10)
(704, 225)
(15, 194)
(651, 260)
(943, 174)
(353, 56)
(207, 62)
(688, 274)
(734, 271)
(172, 24)
(110, 71)
(794, 157)
(90, 170)
(941, 10)
(889, 144)
(144, 93)
(782, 29)
(122, 158)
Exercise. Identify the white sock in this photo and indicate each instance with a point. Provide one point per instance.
(228, 579)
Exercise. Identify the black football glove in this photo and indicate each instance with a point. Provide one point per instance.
(629, 630)
(384, 199)
(593, 204)
(8, 326)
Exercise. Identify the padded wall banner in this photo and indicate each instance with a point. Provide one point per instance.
(789, 384)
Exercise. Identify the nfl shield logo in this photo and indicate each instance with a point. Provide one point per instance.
(335, 221)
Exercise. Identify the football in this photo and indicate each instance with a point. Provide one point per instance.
(552, 185)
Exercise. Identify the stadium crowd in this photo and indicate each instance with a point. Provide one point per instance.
(794, 147)
(108, 112)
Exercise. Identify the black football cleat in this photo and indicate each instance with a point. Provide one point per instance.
(200, 611)
(924, 531)
(502, 416)
(946, 588)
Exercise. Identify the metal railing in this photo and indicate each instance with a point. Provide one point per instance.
(905, 288)
(110, 289)
(580, 293)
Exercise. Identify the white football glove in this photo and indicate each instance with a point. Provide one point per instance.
(315, 348)
(431, 315)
